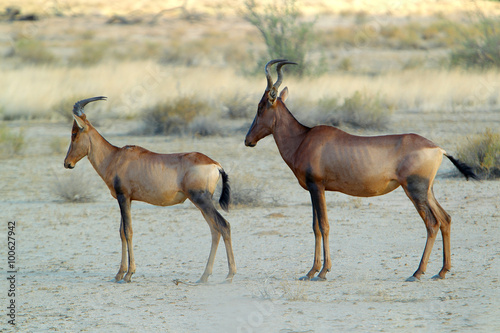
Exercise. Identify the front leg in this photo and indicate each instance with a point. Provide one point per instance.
(126, 230)
(321, 230)
(124, 261)
(317, 250)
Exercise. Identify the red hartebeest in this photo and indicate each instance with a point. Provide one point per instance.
(134, 173)
(325, 158)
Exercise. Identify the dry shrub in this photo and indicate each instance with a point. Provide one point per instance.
(70, 188)
(32, 51)
(10, 143)
(239, 106)
(173, 117)
(204, 126)
(246, 191)
(89, 52)
(361, 110)
(64, 108)
(482, 153)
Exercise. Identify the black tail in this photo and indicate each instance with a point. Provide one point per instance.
(225, 196)
(463, 168)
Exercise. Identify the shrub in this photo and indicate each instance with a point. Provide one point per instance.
(481, 51)
(173, 117)
(239, 106)
(64, 108)
(359, 111)
(245, 191)
(285, 35)
(482, 153)
(10, 143)
(365, 111)
(30, 50)
(72, 189)
(89, 53)
(204, 126)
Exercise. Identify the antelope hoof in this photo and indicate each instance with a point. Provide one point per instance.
(319, 278)
(127, 278)
(437, 277)
(119, 277)
(412, 279)
(304, 278)
(203, 279)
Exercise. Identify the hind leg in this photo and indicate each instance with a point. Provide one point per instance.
(213, 250)
(445, 227)
(418, 190)
(218, 226)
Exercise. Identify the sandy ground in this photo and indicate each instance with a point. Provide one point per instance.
(68, 253)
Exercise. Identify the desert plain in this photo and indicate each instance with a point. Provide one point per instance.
(68, 252)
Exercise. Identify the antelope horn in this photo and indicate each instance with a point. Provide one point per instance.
(280, 72)
(78, 107)
(268, 75)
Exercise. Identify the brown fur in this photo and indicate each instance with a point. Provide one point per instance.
(134, 173)
(325, 158)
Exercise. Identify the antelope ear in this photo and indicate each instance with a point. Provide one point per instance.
(80, 122)
(284, 94)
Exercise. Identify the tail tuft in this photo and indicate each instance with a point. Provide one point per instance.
(463, 168)
(225, 197)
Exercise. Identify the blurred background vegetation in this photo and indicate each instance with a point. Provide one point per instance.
(175, 66)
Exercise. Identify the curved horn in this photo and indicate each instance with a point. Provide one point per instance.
(78, 107)
(280, 72)
(268, 75)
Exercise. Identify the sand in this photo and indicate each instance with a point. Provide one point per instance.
(68, 253)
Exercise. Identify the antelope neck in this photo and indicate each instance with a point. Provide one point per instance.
(101, 152)
(288, 134)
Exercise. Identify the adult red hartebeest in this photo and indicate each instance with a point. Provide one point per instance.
(325, 158)
(134, 173)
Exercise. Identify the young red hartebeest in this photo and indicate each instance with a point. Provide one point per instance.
(325, 158)
(134, 173)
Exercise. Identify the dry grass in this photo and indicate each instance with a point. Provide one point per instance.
(69, 188)
(482, 153)
(131, 87)
(11, 142)
(221, 7)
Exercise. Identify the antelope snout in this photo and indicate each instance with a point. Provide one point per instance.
(249, 144)
(68, 165)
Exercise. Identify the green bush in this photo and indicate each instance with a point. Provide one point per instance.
(481, 50)
(285, 35)
(482, 153)
(173, 117)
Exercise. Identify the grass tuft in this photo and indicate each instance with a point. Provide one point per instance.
(10, 143)
(361, 110)
(482, 153)
(73, 189)
(173, 117)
